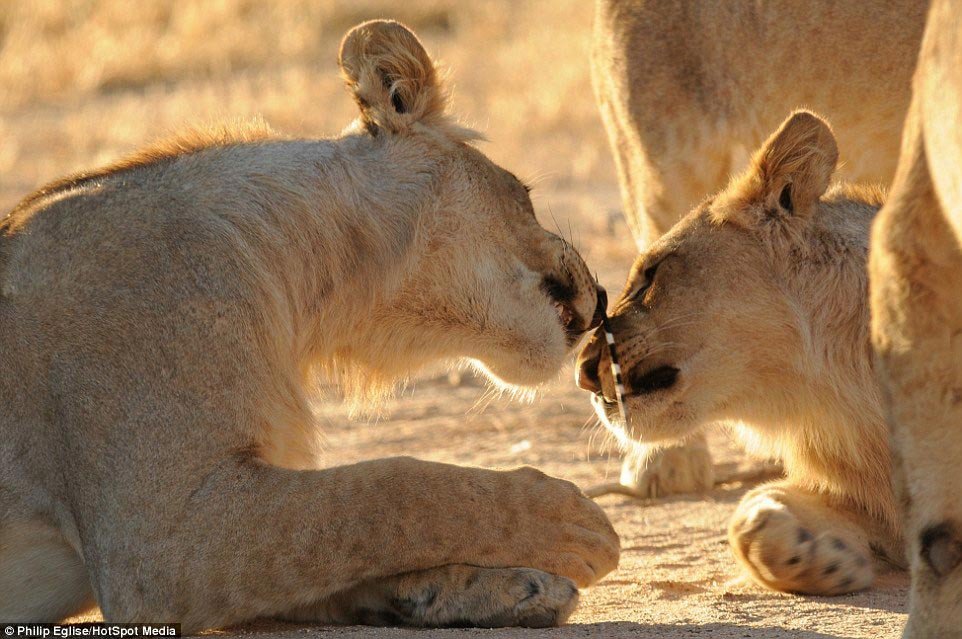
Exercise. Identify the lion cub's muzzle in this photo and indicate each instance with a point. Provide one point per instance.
(588, 366)
(564, 299)
(641, 378)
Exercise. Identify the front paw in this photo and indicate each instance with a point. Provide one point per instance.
(485, 597)
(532, 599)
(783, 553)
(674, 470)
(556, 528)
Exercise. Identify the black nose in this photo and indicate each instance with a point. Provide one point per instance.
(586, 375)
(601, 308)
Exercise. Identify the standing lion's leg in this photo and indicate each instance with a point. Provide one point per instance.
(669, 154)
(455, 595)
(794, 541)
(917, 333)
(916, 282)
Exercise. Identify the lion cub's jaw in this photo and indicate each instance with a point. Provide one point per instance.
(532, 334)
(487, 282)
(722, 318)
(541, 300)
(524, 297)
(515, 300)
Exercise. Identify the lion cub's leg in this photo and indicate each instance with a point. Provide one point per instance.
(791, 540)
(455, 595)
(672, 470)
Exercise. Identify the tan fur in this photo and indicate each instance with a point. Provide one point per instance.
(687, 89)
(757, 300)
(162, 323)
(916, 297)
(184, 143)
(39, 564)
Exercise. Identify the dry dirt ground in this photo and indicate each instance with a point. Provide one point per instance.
(85, 81)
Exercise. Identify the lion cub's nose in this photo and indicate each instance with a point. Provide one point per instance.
(586, 375)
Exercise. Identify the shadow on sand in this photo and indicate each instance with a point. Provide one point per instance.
(604, 630)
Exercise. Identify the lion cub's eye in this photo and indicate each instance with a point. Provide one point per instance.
(649, 277)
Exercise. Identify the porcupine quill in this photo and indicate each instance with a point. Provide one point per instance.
(615, 370)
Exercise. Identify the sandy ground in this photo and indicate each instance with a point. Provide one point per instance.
(86, 81)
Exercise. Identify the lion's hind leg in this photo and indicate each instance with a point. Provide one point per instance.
(451, 596)
(790, 540)
(41, 577)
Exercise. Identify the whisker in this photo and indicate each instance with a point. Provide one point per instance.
(484, 400)
(571, 235)
(589, 430)
(674, 322)
(661, 348)
(557, 225)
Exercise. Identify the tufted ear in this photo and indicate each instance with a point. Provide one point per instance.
(796, 163)
(390, 75)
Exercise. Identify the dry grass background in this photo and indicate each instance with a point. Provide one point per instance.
(84, 81)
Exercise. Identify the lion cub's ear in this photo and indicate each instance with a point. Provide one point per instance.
(390, 75)
(796, 163)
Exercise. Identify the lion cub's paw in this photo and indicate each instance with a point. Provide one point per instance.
(674, 470)
(487, 597)
(536, 599)
(784, 554)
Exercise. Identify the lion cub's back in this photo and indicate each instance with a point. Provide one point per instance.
(155, 258)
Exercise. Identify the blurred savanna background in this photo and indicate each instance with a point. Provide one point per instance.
(83, 82)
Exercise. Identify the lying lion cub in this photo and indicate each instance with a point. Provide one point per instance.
(754, 308)
(159, 323)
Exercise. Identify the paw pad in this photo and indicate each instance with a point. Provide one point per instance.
(787, 556)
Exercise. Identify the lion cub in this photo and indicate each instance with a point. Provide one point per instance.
(161, 321)
(754, 308)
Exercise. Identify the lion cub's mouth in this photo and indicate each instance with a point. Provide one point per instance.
(565, 314)
(561, 297)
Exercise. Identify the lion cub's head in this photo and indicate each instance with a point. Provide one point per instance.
(753, 307)
(482, 279)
